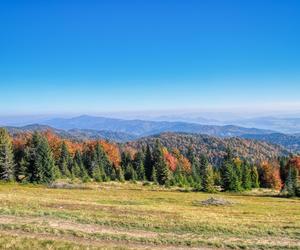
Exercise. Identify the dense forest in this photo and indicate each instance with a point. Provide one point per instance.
(45, 157)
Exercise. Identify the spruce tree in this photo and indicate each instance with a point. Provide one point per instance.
(45, 161)
(40, 162)
(160, 165)
(64, 162)
(148, 164)
(7, 166)
(246, 177)
(209, 180)
(139, 166)
(291, 183)
(227, 162)
(254, 177)
(233, 182)
(203, 167)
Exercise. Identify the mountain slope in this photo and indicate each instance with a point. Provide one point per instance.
(213, 147)
(290, 142)
(74, 134)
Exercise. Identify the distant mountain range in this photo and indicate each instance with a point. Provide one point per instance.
(288, 125)
(120, 130)
(144, 128)
(290, 142)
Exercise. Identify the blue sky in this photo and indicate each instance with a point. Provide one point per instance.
(102, 56)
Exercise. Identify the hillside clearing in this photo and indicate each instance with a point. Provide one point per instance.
(131, 216)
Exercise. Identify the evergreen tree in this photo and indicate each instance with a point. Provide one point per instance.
(120, 174)
(103, 161)
(209, 180)
(64, 162)
(45, 161)
(195, 164)
(246, 177)
(7, 166)
(291, 183)
(160, 165)
(227, 162)
(130, 173)
(203, 168)
(148, 164)
(233, 182)
(254, 177)
(139, 166)
(40, 162)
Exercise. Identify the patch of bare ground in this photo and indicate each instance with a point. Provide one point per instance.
(105, 208)
(95, 243)
(92, 228)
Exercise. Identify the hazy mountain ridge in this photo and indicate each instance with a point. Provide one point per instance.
(119, 130)
(290, 142)
(144, 128)
(74, 134)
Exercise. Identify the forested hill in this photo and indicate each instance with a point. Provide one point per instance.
(214, 147)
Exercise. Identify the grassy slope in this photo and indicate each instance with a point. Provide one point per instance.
(121, 216)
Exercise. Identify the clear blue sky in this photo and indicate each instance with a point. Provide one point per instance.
(61, 56)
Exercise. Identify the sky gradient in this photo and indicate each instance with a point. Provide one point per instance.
(100, 56)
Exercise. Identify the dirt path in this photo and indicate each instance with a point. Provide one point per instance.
(93, 228)
(99, 244)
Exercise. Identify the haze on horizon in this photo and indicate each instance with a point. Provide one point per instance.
(131, 58)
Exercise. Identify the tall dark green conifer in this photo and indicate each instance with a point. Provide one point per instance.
(148, 164)
(64, 162)
(7, 166)
(40, 162)
(139, 166)
(209, 180)
(254, 177)
(160, 165)
(246, 177)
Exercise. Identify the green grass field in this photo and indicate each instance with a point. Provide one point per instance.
(132, 216)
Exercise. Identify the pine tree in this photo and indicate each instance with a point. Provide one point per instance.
(120, 174)
(227, 162)
(130, 173)
(148, 164)
(233, 182)
(40, 162)
(7, 166)
(246, 177)
(64, 162)
(103, 161)
(291, 183)
(209, 180)
(45, 161)
(203, 168)
(254, 177)
(139, 166)
(160, 165)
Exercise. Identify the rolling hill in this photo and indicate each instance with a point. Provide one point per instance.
(214, 147)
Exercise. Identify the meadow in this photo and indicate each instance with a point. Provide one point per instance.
(132, 216)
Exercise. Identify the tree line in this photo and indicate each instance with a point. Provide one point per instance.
(44, 158)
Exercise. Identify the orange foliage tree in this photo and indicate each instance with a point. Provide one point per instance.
(270, 175)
